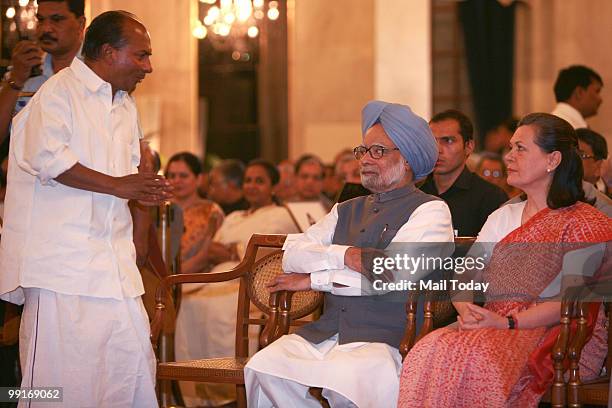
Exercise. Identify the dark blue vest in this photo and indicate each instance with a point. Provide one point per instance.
(368, 222)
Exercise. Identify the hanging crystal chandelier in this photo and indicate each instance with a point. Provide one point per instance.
(226, 21)
(22, 18)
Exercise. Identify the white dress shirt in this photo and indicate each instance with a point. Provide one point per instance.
(60, 238)
(313, 252)
(570, 114)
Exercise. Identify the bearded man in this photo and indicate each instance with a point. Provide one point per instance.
(352, 350)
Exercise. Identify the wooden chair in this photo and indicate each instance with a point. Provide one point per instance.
(280, 311)
(574, 392)
(438, 309)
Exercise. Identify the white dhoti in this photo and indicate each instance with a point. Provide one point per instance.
(362, 374)
(97, 349)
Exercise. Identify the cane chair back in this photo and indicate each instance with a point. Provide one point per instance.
(264, 272)
(276, 313)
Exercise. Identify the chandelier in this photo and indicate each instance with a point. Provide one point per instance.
(228, 23)
(22, 19)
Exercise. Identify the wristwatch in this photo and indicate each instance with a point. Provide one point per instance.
(11, 82)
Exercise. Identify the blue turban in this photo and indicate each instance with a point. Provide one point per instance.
(410, 133)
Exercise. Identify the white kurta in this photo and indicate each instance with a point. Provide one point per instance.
(68, 253)
(366, 374)
(57, 237)
(569, 113)
(206, 322)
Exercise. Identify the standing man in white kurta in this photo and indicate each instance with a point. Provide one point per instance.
(578, 94)
(67, 247)
(352, 350)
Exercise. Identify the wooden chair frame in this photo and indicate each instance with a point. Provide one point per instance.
(568, 348)
(431, 309)
(230, 370)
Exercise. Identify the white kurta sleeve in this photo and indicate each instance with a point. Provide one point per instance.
(429, 223)
(43, 131)
(139, 141)
(312, 251)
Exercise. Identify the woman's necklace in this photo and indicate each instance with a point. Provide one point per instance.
(529, 211)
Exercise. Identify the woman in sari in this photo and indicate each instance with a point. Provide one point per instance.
(206, 323)
(201, 218)
(498, 355)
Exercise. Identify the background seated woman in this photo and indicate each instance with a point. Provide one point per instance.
(483, 361)
(201, 217)
(206, 322)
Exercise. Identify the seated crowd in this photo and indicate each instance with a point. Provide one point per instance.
(538, 195)
(414, 186)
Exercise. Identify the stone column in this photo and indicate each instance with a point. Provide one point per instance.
(167, 98)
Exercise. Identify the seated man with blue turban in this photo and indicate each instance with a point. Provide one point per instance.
(351, 352)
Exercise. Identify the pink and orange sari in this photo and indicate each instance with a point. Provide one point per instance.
(492, 367)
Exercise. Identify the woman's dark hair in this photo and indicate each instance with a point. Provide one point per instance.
(107, 28)
(268, 167)
(190, 159)
(555, 134)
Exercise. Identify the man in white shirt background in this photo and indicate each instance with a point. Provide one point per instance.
(578, 94)
(67, 248)
(59, 32)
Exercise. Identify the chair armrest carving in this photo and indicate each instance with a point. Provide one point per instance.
(574, 351)
(558, 391)
(410, 333)
(428, 323)
(179, 279)
(270, 329)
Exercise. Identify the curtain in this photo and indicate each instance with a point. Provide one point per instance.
(488, 29)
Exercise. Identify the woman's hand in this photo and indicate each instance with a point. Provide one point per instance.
(476, 317)
(465, 313)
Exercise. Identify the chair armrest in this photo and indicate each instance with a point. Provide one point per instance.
(269, 331)
(179, 279)
(410, 333)
(428, 316)
(559, 351)
(574, 352)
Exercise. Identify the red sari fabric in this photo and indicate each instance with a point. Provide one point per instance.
(489, 367)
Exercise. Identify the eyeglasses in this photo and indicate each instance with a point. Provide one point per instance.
(491, 173)
(376, 151)
(585, 156)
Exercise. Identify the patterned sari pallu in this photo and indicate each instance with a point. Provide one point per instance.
(500, 367)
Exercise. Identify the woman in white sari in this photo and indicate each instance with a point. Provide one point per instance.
(206, 322)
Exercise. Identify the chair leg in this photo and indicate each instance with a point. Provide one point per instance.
(168, 392)
(241, 400)
(176, 393)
